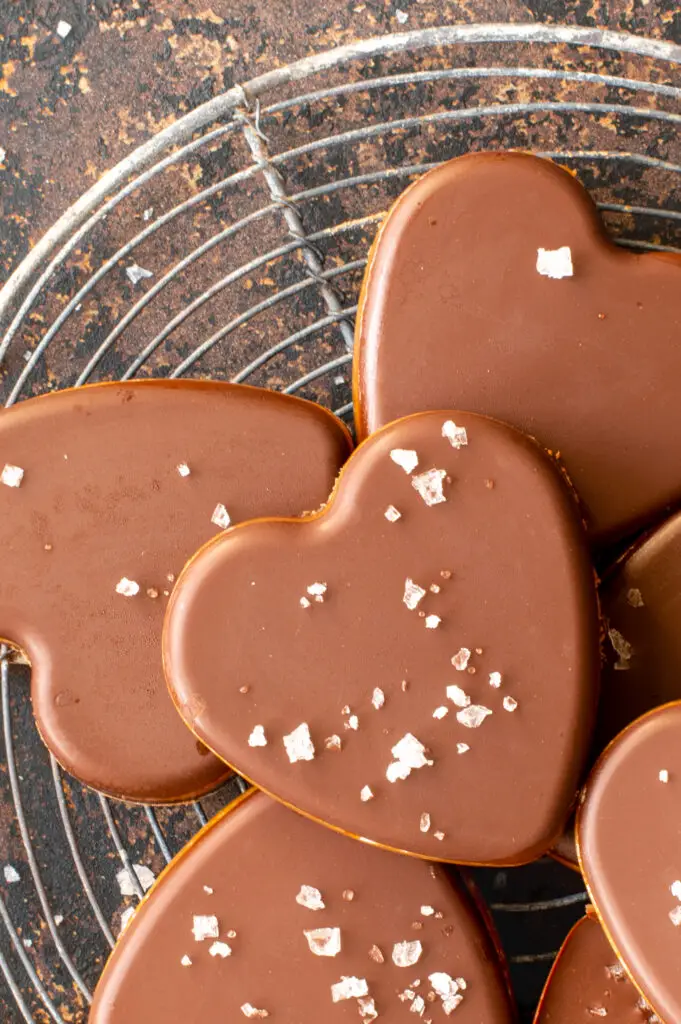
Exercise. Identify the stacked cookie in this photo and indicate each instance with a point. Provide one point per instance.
(413, 662)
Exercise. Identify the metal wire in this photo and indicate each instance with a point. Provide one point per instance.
(330, 192)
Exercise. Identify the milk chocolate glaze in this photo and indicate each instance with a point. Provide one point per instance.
(102, 501)
(455, 313)
(628, 842)
(588, 982)
(417, 665)
(258, 873)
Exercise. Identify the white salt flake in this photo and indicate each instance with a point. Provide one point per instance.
(418, 1005)
(145, 877)
(205, 926)
(458, 696)
(11, 476)
(185, 961)
(126, 587)
(424, 823)
(473, 716)
(324, 941)
(317, 591)
(208, 889)
(675, 916)
(457, 436)
(432, 621)
(126, 918)
(378, 698)
(461, 659)
(220, 516)
(634, 598)
(430, 486)
(406, 954)
(663, 775)
(333, 742)
(439, 836)
(310, 898)
(397, 771)
(257, 737)
(462, 748)
(252, 1012)
(299, 745)
(413, 594)
(495, 680)
(11, 874)
(441, 711)
(376, 954)
(392, 514)
(367, 1009)
(349, 988)
(63, 28)
(449, 1005)
(183, 469)
(443, 984)
(555, 263)
(675, 889)
(148, 213)
(366, 794)
(58, 919)
(352, 723)
(598, 1011)
(136, 273)
(304, 603)
(405, 458)
(509, 703)
(220, 949)
(402, 16)
(411, 752)
(622, 649)
(427, 911)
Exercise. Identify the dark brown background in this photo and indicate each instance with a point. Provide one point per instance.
(70, 109)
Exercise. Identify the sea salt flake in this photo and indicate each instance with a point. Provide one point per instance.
(443, 984)
(622, 649)
(405, 458)
(126, 587)
(148, 213)
(616, 971)
(136, 273)
(299, 745)
(495, 680)
(555, 263)
(349, 988)
(439, 836)
(457, 436)
(11, 874)
(378, 698)
(317, 590)
(220, 516)
(441, 711)
(304, 603)
(473, 716)
(352, 723)
(406, 954)
(663, 775)
(675, 889)
(434, 588)
(205, 926)
(461, 659)
(418, 1005)
(432, 621)
(634, 598)
(397, 771)
(183, 469)
(333, 743)
(310, 898)
(598, 1011)
(675, 916)
(63, 28)
(366, 794)
(429, 486)
(427, 911)
(220, 949)
(458, 696)
(424, 822)
(509, 703)
(208, 889)
(324, 941)
(252, 1012)
(462, 748)
(411, 752)
(376, 954)
(413, 593)
(145, 877)
(449, 1005)
(126, 918)
(257, 737)
(185, 961)
(392, 514)
(402, 16)
(348, 895)
(367, 1009)
(11, 476)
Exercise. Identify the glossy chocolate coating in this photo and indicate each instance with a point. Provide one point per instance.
(588, 982)
(507, 552)
(102, 499)
(628, 840)
(255, 859)
(454, 313)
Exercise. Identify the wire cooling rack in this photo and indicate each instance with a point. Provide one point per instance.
(232, 246)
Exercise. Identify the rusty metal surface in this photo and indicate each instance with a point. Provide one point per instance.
(70, 109)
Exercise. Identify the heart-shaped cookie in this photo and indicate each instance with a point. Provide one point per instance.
(415, 665)
(493, 287)
(587, 982)
(105, 492)
(267, 916)
(628, 830)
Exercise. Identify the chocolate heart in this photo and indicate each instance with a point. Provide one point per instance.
(416, 665)
(628, 841)
(587, 982)
(108, 489)
(464, 304)
(300, 925)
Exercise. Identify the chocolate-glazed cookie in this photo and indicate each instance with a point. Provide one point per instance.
(493, 287)
(105, 492)
(418, 663)
(587, 982)
(267, 916)
(628, 830)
